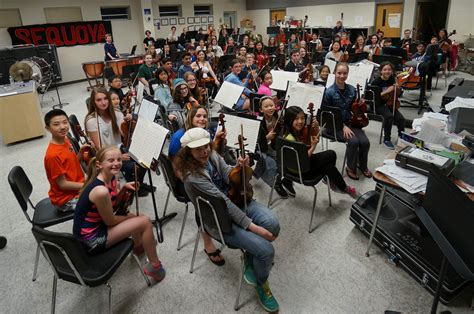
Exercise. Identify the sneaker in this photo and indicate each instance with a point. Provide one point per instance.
(142, 192)
(266, 298)
(288, 186)
(280, 190)
(249, 273)
(148, 187)
(352, 192)
(156, 272)
(389, 145)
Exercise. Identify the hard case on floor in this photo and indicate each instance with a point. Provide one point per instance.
(405, 240)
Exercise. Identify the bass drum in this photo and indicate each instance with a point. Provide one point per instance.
(42, 71)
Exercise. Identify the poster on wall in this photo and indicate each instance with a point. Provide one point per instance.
(61, 34)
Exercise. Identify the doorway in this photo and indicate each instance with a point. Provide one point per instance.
(277, 15)
(431, 16)
(230, 18)
(389, 19)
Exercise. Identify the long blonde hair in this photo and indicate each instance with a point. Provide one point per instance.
(110, 111)
(188, 124)
(92, 171)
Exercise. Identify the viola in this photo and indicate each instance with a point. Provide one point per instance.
(308, 131)
(359, 109)
(125, 198)
(221, 142)
(241, 191)
(88, 152)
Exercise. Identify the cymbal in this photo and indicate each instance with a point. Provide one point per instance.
(21, 71)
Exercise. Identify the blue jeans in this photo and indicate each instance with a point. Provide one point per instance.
(266, 168)
(260, 251)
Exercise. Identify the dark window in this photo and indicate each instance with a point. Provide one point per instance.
(170, 10)
(201, 9)
(115, 13)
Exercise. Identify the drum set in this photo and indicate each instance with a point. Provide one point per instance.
(95, 70)
(34, 68)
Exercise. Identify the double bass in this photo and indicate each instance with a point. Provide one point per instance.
(359, 117)
(241, 191)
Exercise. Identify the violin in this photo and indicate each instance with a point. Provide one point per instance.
(88, 152)
(391, 99)
(221, 142)
(125, 198)
(308, 131)
(241, 191)
(444, 45)
(280, 121)
(308, 75)
(409, 80)
(359, 109)
(127, 127)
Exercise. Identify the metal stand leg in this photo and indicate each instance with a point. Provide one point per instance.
(166, 202)
(376, 219)
(182, 227)
(196, 244)
(439, 285)
(271, 192)
(314, 207)
(329, 190)
(110, 296)
(158, 222)
(242, 266)
(53, 300)
(36, 262)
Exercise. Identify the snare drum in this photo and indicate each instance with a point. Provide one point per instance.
(117, 65)
(93, 69)
(40, 68)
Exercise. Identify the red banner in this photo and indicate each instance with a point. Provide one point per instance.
(61, 34)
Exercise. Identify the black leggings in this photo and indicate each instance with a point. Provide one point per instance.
(389, 119)
(324, 163)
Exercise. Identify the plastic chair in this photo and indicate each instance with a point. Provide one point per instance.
(215, 222)
(45, 214)
(293, 162)
(176, 187)
(449, 221)
(70, 262)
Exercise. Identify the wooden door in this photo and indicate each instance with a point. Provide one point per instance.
(277, 15)
(389, 19)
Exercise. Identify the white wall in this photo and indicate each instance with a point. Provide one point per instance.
(461, 18)
(126, 32)
(219, 6)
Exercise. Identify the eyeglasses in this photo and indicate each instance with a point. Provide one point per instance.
(191, 80)
(184, 88)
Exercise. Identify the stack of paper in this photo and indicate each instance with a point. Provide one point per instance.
(460, 102)
(410, 181)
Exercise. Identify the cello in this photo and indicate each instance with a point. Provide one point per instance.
(359, 117)
(241, 191)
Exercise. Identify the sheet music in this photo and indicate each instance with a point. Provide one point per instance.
(140, 90)
(331, 79)
(351, 80)
(148, 110)
(302, 94)
(281, 78)
(147, 142)
(331, 64)
(229, 94)
(251, 129)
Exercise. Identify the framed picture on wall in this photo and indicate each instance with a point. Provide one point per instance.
(190, 20)
(204, 27)
(203, 19)
(210, 19)
(173, 21)
(190, 27)
(164, 22)
(197, 20)
(181, 21)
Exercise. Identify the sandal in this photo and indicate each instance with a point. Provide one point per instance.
(352, 174)
(366, 173)
(216, 253)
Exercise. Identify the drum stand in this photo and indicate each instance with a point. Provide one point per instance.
(61, 104)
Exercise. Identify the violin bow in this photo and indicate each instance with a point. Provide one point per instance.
(136, 189)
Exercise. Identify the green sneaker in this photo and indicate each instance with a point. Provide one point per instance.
(249, 274)
(266, 298)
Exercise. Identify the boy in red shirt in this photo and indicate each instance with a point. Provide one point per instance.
(61, 163)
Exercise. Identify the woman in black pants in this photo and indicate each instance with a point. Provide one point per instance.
(386, 83)
(323, 163)
(342, 95)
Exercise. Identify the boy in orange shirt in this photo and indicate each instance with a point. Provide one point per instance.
(61, 163)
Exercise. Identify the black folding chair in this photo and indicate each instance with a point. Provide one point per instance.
(73, 124)
(372, 99)
(176, 187)
(450, 221)
(214, 221)
(293, 163)
(70, 262)
(45, 214)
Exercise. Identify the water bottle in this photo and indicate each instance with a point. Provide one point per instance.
(11, 80)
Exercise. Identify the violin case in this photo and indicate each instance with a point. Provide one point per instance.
(405, 241)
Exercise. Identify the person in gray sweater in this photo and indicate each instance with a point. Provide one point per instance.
(253, 231)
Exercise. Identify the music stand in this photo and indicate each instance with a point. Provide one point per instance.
(54, 77)
(395, 60)
(357, 57)
(395, 51)
(449, 221)
(273, 30)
